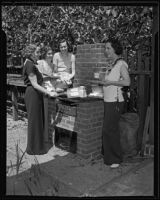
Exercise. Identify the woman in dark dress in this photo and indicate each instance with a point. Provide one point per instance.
(34, 102)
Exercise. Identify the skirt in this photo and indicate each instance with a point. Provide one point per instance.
(36, 140)
(111, 134)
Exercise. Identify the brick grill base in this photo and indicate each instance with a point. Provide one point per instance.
(86, 119)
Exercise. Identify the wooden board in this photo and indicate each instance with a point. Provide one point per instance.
(145, 132)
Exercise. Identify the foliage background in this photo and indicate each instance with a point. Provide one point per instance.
(79, 24)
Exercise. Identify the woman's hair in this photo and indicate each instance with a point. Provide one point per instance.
(62, 41)
(115, 43)
(70, 48)
(29, 50)
(44, 51)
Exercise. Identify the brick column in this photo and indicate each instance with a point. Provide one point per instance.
(88, 126)
(89, 59)
(86, 119)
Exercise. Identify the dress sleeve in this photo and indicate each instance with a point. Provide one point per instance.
(124, 63)
(40, 66)
(55, 59)
(30, 68)
(73, 58)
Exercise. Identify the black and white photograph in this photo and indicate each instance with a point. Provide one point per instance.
(81, 99)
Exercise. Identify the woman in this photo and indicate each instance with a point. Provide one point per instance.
(34, 102)
(65, 65)
(45, 66)
(115, 79)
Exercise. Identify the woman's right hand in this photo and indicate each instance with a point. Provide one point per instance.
(55, 76)
(52, 94)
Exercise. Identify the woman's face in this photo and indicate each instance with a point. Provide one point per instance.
(64, 47)
(109, 51)
(36, 54)
(49, 54)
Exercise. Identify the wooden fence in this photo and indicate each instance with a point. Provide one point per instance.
(140, 93)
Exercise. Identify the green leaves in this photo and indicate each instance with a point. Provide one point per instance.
(79, 24)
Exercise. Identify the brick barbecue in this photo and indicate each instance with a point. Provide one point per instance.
(85, 117)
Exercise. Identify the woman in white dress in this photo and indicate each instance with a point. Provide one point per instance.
(64, 63)
(46, 68)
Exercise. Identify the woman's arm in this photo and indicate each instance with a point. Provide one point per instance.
(125, 78)
(33, 79)
(73, 66)
(55, 63)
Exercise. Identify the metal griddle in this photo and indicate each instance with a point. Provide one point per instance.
(76, 100)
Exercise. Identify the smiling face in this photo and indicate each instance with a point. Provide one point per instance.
(49, 55)
(109, 51)
(36, 54)
(63, 47)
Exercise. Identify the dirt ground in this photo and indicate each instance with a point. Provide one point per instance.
(60, 173)
(16, 145)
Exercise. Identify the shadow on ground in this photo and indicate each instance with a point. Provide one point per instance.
(69, 175)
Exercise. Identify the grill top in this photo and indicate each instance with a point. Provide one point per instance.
(78, 100)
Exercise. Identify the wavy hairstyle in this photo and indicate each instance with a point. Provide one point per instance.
(29, 50)
(116, 45)
(44, 51)
(62, 41)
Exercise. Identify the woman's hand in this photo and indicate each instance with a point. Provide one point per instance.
(104, 83)
(52, 94)
(66, 78)
(55, 76)
(107, 83)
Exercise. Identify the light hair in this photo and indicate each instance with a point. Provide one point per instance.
(29, 50)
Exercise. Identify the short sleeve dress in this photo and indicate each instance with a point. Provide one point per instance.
(64, 65)
(36, 144)
(47, 72)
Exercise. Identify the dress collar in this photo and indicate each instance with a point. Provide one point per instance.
(30, 59)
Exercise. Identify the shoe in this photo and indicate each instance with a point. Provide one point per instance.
(114, 166)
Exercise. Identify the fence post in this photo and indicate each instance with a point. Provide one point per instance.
(141, 99)
(14, 103)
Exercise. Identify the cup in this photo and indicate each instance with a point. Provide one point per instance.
(96, 75)
(102, 76)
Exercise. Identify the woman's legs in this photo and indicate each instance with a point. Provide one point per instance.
(110, 133)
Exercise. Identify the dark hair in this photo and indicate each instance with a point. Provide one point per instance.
(115, 43)
(44, 51)
(62, 41)
(70, 48)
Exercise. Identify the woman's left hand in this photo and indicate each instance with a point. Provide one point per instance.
(104, 83)
(107, 83)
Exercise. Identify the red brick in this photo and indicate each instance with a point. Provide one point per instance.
(96, 154)
(88, 131)
(87, 136)
(90, 141)
(91, 149)
(83, 111)
(83, 126)
(93, 45)
(81, 115)
(85, 156)
(84, 121)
